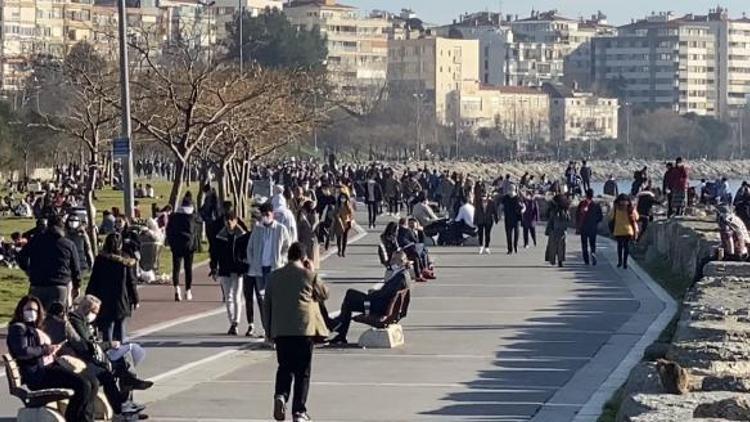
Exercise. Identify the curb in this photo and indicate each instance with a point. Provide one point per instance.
(593, 408)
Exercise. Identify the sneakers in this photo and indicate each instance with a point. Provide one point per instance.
(481, 250)
(488, 251)
(132, 407)
(188, 295)
(279, 408)
(593, 259)
(250, 329)
(177, 294)
(301, 417)
(233, 330)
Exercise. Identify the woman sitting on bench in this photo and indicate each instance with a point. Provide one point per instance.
(356, 301)
(36, 356)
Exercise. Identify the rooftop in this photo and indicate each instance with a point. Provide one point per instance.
(319, 3)
(548, 16)
(512, 89)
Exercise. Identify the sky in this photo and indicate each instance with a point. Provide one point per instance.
(618, 11)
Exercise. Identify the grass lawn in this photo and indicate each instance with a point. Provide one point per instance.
(14, 283)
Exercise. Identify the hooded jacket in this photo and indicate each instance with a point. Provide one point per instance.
(113, 281)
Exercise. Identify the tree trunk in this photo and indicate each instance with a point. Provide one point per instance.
(179, 179)
(89, 188)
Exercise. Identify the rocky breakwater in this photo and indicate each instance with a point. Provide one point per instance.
(621, 169)
(711, 342)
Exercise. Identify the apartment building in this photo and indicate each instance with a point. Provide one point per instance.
(495, 43)
(357, 46)
(548, 47)
(692, 64)
(224, 12)
(435, 67)
(580, 116)
(520, 113)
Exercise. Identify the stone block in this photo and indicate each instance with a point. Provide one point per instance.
(727, 269)
(39, 414)
(387, 338)
(733, 409)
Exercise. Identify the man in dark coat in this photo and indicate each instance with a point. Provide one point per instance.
(51, 262)
(513, 209)
(589, 215)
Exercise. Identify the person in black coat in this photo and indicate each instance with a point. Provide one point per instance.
(32, 350)
(227, 264)
(182, 237)
(486, 215)
(113, 281)
(373, 197)
(51, 261)
(379, 299)
(589, 215)
(407, 242)
(513, 209)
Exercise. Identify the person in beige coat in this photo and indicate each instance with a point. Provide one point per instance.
(295, 322)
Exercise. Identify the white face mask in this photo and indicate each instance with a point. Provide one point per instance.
(267, 220)
(91, 317)
(30, 315)
(74, 224)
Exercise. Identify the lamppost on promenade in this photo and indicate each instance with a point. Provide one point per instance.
(126, 129)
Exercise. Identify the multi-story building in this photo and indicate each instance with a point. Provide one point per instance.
(495, 43)
(357, 46)
(521, 114)
(692, 64)
(224, 12)
(551, 48)
(580, 115)
(434, 67)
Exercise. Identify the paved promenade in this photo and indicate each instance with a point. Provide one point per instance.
(495, 338)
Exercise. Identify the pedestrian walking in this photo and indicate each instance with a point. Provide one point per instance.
(295, 324)
(513, 209)
(558, 222)
(373, 198)
(76, 232)
(623, 223)
(529, 219)
(113, 281)
(586, 172)
(610, 187)
(182, 237)
(342, 222)
(266, 251)
(588, 217)
(307, 227)
(486, 215)
(227, 265)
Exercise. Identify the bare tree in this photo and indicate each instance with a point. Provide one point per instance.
(77, 102)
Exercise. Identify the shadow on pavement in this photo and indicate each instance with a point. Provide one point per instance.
(544, 351)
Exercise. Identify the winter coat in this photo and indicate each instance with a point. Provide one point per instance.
(25, 345)
(292, 303)
(531, 213)
(486, 212)
(113, 281)
(513, 209)
(307, 227)
(279, 244)
(182, 233)
(228, 252)
(51, 259)
(83, 246)
(588, 217)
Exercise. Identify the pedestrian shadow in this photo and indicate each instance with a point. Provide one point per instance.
(543, 353)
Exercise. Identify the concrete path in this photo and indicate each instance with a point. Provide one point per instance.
(495, 338)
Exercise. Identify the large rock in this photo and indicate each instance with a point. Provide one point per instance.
(643, 379)
(726, 383)
(727, 269)
(387, 338)
(40, 414)
(733, 409)
(686, 243)
(668, 407)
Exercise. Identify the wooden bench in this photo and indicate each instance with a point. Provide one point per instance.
(395, 312)
(31, 398)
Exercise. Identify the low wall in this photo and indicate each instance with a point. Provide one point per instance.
(711, 339)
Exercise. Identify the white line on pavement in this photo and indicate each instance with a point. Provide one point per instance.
(499, 389)
(337, 354)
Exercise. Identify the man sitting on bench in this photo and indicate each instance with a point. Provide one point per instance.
(356, 301)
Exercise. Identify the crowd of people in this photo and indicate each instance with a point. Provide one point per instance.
(271, 259)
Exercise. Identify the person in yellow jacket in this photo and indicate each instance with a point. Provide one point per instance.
(623, 223)
(342, 222)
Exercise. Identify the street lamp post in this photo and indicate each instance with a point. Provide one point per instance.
(241, 9)
(126, 129)
(419, 97)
